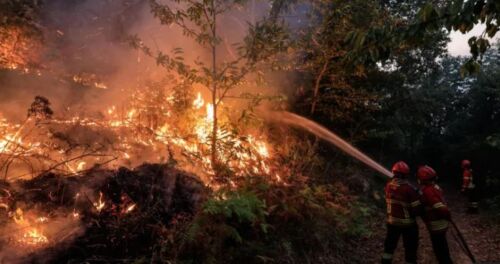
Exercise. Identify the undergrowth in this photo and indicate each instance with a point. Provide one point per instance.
(260, 222)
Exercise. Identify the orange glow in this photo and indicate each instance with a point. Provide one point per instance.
(99, 205)
(210, 113)
(199, 102)
(33, 237)
(143, 127)
(130, 208)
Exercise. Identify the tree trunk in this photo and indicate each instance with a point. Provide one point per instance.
(317, 85)
(214, 90)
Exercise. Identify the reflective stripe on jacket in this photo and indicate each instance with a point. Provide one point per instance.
(402, 202)
(436, 214)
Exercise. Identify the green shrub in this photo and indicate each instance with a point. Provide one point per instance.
(260, 222)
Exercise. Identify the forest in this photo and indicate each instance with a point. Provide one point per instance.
(249, 131)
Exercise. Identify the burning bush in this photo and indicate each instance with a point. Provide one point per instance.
(149, 127)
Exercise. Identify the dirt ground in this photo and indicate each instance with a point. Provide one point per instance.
(482, 236)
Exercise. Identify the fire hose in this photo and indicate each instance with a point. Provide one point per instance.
(463, 242)
(326, 134)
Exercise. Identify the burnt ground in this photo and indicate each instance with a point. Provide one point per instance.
(160, 194)
(480, 232)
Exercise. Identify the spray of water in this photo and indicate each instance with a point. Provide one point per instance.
(322, 132)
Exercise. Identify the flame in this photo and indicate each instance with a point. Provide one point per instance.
(99, 205)
(42, 219)
(33, 237)
(100, 85)
(111, 110)
(18, 216)
(147, 127)
(81, 166)
(131, 114)
(210, 113)
(75, 214)
(198, 102)
(11, 140)
(130, 208)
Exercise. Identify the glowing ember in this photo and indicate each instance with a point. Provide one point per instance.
(81, 166)
(111, 110)
(99, 205)
(33, 238)
(18, 216)
(42, 219)
(75, 214)
(100, 85)
(131, 113)
(130, 208)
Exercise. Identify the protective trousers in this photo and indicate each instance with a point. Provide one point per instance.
(440, 247)
(410, 242)
(472, 196)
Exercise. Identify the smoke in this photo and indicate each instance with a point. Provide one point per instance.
(81, 39)
(87, 48)
(89, 65)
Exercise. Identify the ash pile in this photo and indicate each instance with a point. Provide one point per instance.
(99, 215)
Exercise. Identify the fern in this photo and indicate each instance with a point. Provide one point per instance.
(246, 207)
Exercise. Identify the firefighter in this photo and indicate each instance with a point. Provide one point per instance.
(435, 214)
(468, 187)
(403, 205)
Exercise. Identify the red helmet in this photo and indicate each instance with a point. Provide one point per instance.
(426, 173)
(465, 163)
(400, 167)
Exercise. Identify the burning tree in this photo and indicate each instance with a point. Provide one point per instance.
(199, 21)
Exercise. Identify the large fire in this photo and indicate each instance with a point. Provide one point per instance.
(142, 132)
(129, 134)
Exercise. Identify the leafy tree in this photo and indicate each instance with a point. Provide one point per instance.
(379, 43)
(329, 89)
(200, 22)
(345, 94)
(410, 91)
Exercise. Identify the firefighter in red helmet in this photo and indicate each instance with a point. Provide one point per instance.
(436, 214)
(403, 205)
(468, 186)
